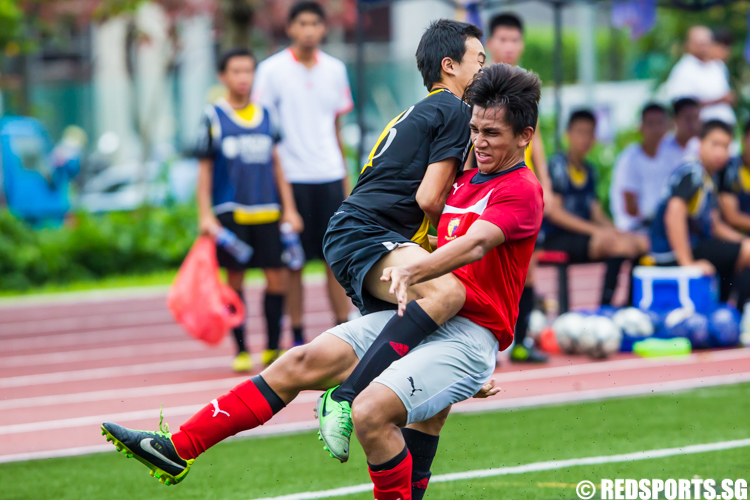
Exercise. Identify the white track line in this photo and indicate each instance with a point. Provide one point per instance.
(622, 364)
(99, 354)
(472, 407)
(161, 316)
(184, 365)
(130, 416)
(532, 467)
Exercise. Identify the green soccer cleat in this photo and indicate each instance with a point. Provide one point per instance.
(335, 423)
(154, 449)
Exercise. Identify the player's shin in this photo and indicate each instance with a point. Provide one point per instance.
(248, 405)
(392, 479)
(422, 447)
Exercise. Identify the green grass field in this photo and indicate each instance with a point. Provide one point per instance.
(253, 468)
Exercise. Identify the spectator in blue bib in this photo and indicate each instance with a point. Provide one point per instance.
(576, 223)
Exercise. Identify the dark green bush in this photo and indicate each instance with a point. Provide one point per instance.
(93, 246)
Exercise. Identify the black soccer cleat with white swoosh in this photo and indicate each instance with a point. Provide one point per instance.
(154, 449)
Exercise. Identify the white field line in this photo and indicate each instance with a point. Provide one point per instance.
(532, 467)
(130, 416)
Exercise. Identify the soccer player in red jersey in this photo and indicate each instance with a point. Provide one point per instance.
(486, 236)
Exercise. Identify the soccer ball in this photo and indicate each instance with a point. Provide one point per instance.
(567, 329)
(600, 337)
(537, 323)
(685, 322)
(724, 327)
(634, 322)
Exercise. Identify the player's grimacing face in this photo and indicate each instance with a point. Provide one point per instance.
(307, 30)
(495, 145)
(506, 45)
(714, 150)
(238, 75)
(471, 63)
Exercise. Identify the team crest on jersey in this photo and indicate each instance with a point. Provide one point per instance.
(453, 228)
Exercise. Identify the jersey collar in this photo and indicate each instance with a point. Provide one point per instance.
(480, 178)
(236, 118)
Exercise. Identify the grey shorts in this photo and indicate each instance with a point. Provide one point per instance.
(451, 365)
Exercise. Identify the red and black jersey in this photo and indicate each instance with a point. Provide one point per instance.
(511, 200)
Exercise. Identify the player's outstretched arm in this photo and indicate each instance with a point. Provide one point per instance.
(481, 237)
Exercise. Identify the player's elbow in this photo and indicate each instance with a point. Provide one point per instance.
(481, 247)
(430, 205)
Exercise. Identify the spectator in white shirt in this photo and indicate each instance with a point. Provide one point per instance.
(631, 202)
(309, 91)
(699, 76)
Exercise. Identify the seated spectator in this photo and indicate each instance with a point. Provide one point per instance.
(734, 188)
(632, 199)
(687, 229)
(576, 224)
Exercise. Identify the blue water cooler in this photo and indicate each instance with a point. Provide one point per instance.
(663, 289)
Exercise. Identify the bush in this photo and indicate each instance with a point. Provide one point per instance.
(94, 246)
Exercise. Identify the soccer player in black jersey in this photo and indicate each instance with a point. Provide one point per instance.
(384, 223)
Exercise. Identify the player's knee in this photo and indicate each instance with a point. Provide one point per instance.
(367, 418)
(446, 290)
(299, 365)
(435, 424)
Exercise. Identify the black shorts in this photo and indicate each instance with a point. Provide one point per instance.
(576, 245)
(352, 245)
(722, 254)
(264, 238)
(316, 203)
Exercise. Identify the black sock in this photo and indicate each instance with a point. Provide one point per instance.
(239, 331)
(399, 336)
(273, 306)
(423, 448)
(610, 279)
(274, 401)
(299, 335)
(525, 306)
(390, 464)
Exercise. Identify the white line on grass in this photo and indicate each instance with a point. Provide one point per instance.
(532, 467)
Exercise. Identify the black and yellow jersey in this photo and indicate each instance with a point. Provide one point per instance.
(434, 129)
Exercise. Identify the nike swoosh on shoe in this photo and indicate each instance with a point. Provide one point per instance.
(146, 446)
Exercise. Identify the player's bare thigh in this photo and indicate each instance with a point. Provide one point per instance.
(446, 293)
(323, 363)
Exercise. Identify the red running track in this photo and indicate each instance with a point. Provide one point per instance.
(69, 364)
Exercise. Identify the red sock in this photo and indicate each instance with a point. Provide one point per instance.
(245, 407)
(395, 482)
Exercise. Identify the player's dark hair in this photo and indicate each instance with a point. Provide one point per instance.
(652, 107)
(306, 6)
(681, 104)
(505, 20)
(511, 88)
(712, 125)
(444, 38)
(723, 37)
(581, 115)
(229, 54)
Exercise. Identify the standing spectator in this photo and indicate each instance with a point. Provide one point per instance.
(241, 186)
(679, 145)
(699, 76)
(309, 90)
(632, 201)
(576, 223)
(506, 46)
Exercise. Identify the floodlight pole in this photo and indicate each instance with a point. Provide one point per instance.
(557, 66)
